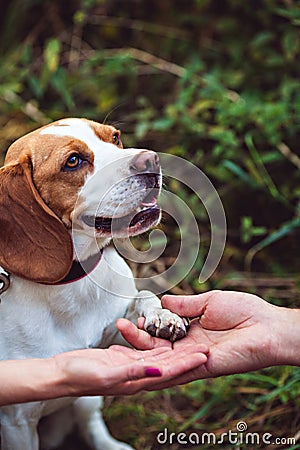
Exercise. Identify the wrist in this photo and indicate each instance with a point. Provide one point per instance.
(287, 328)
(41, 380)
(44, 380)
(59, 382)
(29, 380)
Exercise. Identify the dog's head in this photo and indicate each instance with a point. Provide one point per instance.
(73, 173)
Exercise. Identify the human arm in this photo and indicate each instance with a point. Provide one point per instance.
(112, 371)
(243, 333)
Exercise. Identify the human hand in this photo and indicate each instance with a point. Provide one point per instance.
(113, 371)
(243, 333)
(120, 370)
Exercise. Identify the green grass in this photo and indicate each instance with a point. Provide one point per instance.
(265, 400)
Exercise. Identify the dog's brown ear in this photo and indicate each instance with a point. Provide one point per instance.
(34, 243)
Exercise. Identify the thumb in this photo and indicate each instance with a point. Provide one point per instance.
(187, 305)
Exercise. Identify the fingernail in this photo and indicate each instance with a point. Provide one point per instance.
(152, 372)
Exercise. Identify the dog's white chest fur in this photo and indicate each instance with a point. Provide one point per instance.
(65, 317)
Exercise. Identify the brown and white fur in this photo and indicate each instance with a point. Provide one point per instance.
(66, 189)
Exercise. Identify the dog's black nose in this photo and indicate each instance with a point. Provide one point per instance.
(145, 162)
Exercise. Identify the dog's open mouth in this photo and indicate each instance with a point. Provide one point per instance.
(136, 222)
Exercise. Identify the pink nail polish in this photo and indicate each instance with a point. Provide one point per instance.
(152, 372)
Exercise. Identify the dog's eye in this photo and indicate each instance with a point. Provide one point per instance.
(116, 139)
(73, 162)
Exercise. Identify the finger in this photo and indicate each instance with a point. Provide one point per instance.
(164, 356)
(132, 372)
(140, 354)
(185, 376)
(139, 338)
(176, 359)
(172, 368)
(141, 322)
(145, 369)
(187, 305)
(198, 373)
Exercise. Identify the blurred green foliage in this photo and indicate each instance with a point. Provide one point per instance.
(215, 82)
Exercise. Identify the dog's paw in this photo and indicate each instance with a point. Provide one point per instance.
(165, 324)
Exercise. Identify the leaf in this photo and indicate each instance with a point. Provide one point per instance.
(35, 85)
(141, 129)
(290, 44)
(59, 82)
(234, 168)
(282, 232)
(262, 169)
(51, 62)
(51, 54)
(162, 124)
(292, 13)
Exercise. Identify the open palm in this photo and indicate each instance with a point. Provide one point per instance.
(119, 370)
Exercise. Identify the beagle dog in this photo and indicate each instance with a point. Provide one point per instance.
(66, 190)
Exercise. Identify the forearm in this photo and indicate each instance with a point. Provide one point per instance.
(29, 380)
(288, 330)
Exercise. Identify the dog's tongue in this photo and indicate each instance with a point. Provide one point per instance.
(142, 216)
(127, 221)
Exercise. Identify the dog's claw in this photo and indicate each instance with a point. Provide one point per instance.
(166, 325)
(165, 333)
(151, 329)
(178, 335)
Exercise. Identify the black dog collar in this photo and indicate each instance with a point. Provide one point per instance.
(80, 270)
